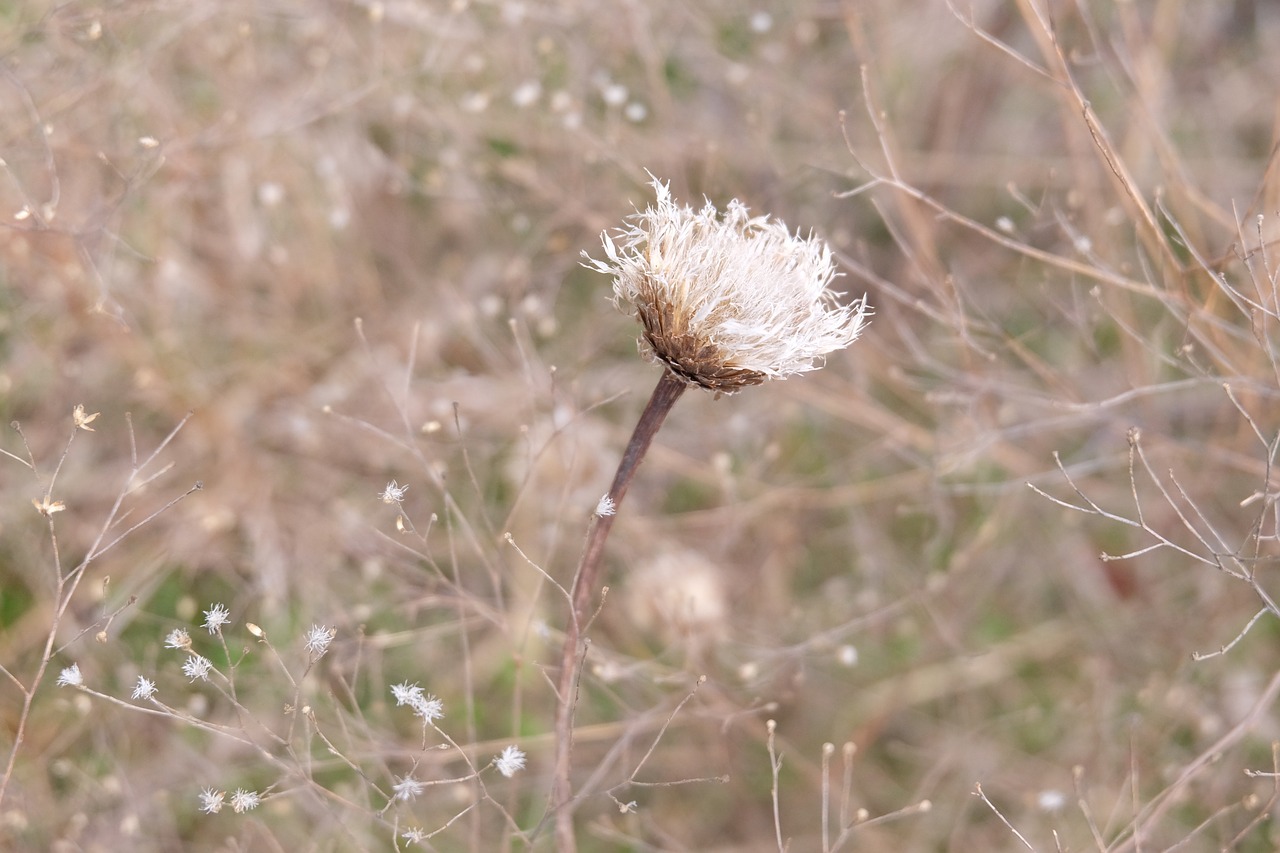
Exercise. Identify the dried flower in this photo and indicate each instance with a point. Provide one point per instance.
(70, 677)
(47, 507)
(178, 638)
(82, 420)
(727, 301)
(145, 689)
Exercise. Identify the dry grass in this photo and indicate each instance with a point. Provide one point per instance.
(345, 237)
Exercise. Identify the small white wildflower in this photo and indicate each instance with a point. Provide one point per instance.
(270, 194)
(406, 693)
(727, 301)
(393, 493)
(145, 689)
(70, 677)
(407, 788)
(1051, 800)
(847, 655)
(243, 801)
(211, 800)
(215, 617)
(197, 668)
(606, 506)
(474, 102)
(527, 93)
(561, 101)
(636, 112)
(429, 708)
(319, 638)
(510, 762)
(614, 94)
(178, 638)
(414, 835)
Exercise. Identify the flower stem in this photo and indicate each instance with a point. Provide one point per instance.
(585, 581)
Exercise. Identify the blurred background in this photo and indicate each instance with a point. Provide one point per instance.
(346, 238)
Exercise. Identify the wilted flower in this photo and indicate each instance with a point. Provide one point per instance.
(725, 301)
(145, 688)
(82, 419)
(730, 300)
(47, 507)
(178, 638)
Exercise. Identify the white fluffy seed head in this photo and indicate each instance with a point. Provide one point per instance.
(727, 300)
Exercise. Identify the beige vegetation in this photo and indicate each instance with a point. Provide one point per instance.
(304, 249)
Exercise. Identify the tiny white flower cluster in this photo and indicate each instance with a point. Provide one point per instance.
(426, 706)
(198, 668)
(211, 801)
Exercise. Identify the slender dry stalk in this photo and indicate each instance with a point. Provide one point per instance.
(67, 581)
(664, 396)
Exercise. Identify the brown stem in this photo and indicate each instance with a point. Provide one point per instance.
(585, 582)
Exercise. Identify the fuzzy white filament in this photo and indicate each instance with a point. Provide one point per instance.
(728, 300)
